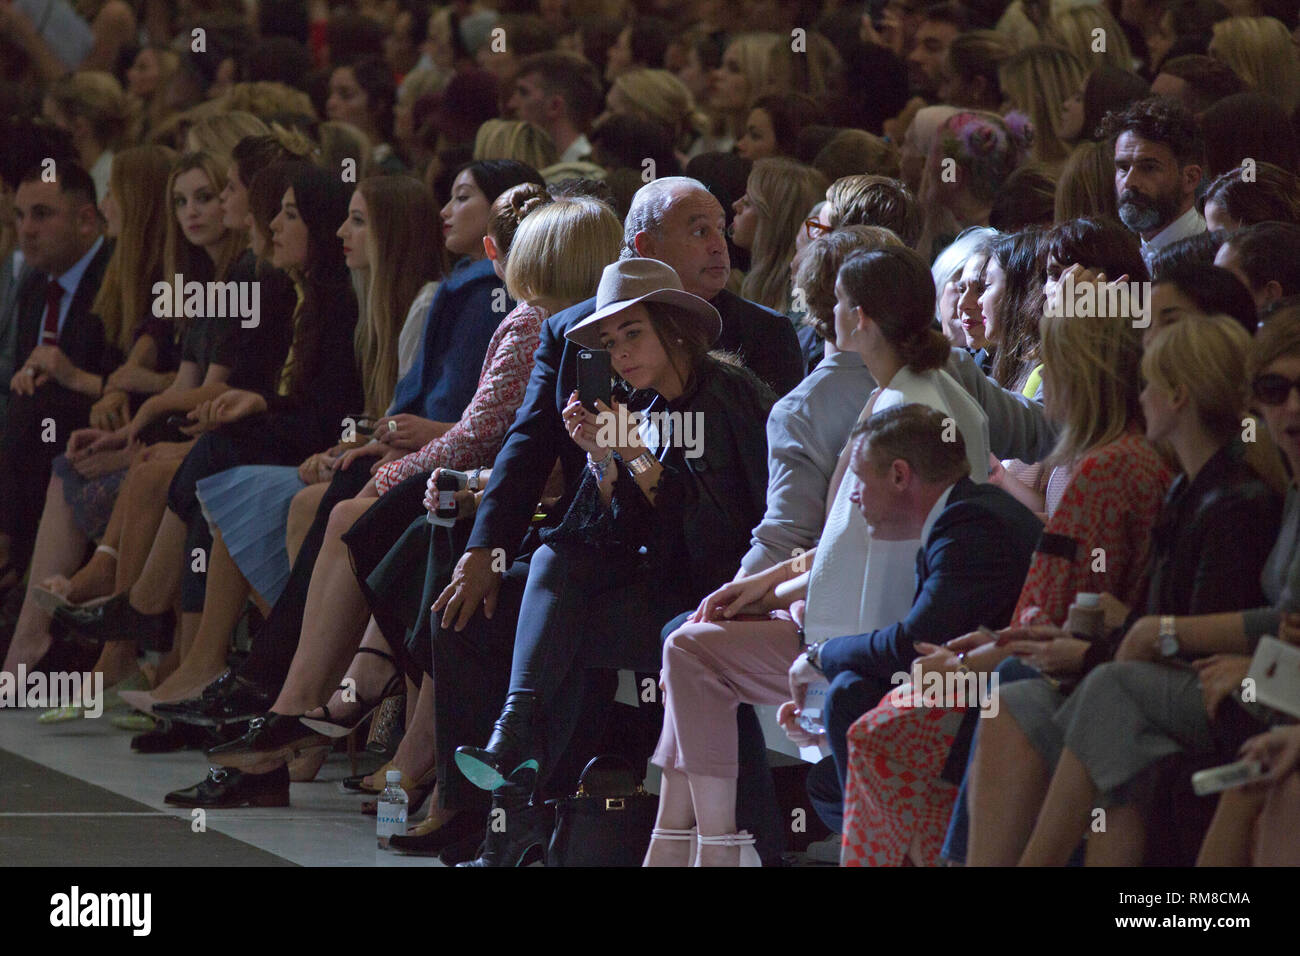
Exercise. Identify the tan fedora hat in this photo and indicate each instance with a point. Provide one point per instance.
(627, 282)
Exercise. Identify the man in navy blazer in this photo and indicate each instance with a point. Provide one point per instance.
(676, 220)
(63, 356)
(977, 545)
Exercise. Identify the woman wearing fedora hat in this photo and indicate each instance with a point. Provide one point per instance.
(659, 521)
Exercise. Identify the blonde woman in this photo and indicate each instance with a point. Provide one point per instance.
(92, 107)
(740, 79)
(1075, 29)
(517, 140)
(217, 135)
(198, 245)
(768, 218)
(1086, 187)
(1036, 81)
(658, 96)
(1260, 51)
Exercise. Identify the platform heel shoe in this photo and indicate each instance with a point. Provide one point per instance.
(510, 749)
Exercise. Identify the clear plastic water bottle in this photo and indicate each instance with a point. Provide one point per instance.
(810, 715)
(391, 815)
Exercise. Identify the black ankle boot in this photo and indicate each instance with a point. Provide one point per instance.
(518, 830)
(511, 750)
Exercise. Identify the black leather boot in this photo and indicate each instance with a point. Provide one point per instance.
(511, 749)
(517, 829)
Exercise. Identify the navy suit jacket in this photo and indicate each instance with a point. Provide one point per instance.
(766, 340)
(969, 572)
(82, 337)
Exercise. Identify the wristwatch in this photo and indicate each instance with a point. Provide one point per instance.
(813, 655)
(1168, 639)
(472, 482)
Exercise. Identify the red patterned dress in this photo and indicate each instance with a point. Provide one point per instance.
(475, 439)
(1096, 540)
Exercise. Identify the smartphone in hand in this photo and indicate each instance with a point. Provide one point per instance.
(594, 378)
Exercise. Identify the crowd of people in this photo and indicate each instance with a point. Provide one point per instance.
(932, 331)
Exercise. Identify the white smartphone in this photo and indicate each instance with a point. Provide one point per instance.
(1218, 779)
(1275, 670)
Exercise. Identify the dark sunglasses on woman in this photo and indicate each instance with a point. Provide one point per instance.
(1273, 389)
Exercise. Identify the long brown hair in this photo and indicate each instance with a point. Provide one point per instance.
(138, 179)
(404, 246)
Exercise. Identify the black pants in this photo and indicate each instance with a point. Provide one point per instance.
(36, 433)
(850, 696)
(276, 640)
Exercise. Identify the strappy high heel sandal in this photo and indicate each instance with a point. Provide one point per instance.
(674, 836)
(341, 726)
(743, 839)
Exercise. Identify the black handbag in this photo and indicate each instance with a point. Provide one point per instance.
(607, 822)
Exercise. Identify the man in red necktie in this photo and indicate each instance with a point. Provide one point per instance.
(62, 356)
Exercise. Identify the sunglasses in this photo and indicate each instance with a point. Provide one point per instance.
(1273, 389)
(814, 228)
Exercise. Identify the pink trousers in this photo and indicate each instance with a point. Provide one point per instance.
(709, 670)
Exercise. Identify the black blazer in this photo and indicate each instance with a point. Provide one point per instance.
(537, 437)
(82, 339)
(969, 572)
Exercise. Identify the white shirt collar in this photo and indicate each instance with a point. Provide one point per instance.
(1190, 223)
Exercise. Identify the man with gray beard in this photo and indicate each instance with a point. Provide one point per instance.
(1158, 156)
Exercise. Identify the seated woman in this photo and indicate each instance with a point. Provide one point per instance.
(947, 270)
(808, 427)
(1103, 521)
(591, 599)
(768, 219)
(848, 580)
(1152, 709)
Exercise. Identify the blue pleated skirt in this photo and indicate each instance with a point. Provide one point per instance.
(249, 505)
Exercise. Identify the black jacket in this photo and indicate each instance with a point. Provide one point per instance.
(711, 495)
(538, 437)
(1208, 546)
